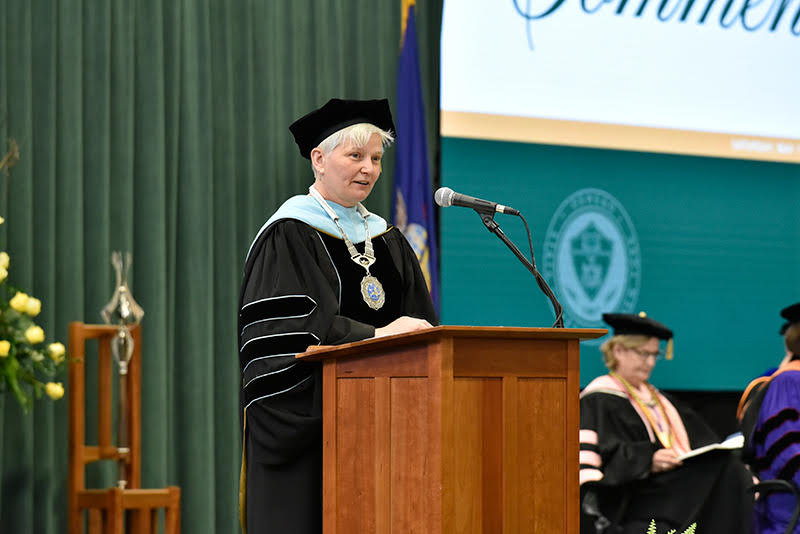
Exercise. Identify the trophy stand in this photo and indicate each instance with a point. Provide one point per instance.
(123, 312)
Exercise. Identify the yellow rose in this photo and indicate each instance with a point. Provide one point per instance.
(54, 390)
(19, 302)
(2, 220)
(5, 260)
(3, 273)
(37, 356)
(33, 306)
(57, 351)
(34, 335)
(5, 346)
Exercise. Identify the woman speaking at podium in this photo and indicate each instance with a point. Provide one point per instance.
(322, 270)
(633, 446)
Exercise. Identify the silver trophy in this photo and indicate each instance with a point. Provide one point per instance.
(123, 312)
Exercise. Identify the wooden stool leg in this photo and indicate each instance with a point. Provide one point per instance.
(75, 518)
(135, 521)
(172, 520)
(140, 521)
(172, 512)
(116, 513)
(96, 519)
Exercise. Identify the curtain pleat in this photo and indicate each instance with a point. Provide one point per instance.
(160, 127)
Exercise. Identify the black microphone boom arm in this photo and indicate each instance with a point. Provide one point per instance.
(487, 217)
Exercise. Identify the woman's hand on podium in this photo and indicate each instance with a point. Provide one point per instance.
(402, 325)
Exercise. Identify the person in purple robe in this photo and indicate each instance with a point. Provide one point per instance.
(769, 414)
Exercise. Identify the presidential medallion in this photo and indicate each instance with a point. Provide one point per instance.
(372, 292)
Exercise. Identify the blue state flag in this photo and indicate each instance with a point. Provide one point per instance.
(413, 206)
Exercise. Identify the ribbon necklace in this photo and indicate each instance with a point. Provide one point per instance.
(371, 289)
(664, 436)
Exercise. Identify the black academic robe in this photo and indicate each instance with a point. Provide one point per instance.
(709, 489)
(301, 288)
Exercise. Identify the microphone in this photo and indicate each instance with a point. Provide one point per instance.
(446, 197)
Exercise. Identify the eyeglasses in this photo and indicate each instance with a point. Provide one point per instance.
(647, 354)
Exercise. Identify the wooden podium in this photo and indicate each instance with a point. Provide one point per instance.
(452, 430)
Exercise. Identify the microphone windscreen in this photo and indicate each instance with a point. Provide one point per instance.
(444, 196)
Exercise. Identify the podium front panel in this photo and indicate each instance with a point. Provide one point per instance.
(453, 435)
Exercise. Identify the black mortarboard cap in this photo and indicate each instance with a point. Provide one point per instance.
(792, 316)
(313, 128)
(630, 324)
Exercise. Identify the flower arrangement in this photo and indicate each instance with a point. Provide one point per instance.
(652, 528)
(26, 362)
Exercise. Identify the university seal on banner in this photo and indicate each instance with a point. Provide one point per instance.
(592, 258)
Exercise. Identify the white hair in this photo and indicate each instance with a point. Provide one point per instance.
(358, 134)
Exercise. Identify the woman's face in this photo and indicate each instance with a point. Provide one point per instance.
(635, 365)
(348, 174)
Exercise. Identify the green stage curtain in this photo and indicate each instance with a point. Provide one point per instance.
(160, 127)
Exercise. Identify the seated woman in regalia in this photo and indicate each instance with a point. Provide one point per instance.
(632, 439)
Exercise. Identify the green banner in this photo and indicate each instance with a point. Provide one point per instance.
(710, 247)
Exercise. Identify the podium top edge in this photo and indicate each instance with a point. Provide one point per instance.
(457, 331)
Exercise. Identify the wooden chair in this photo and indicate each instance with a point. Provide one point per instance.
(110, 509)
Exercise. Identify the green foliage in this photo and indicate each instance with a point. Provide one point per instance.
(652, 528)
(26, 362)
